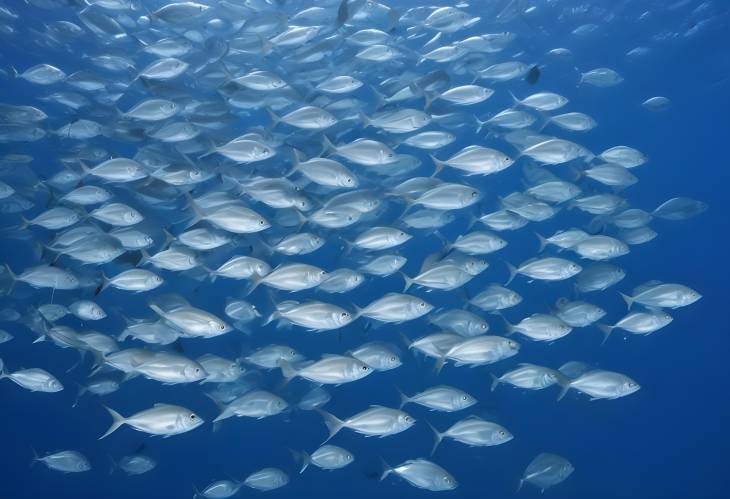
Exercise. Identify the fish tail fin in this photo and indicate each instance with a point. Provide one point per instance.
(515, 101)
(438, 164)
(495, 382)
(169, 238)
(510, 329)
(84, 168)
(628, 299)
(117, 421)
(564, 387)
(405, 339)
(301, 458)
(343, 14)
(519, 485)
(440, 362)
(2, 370)
(387, 470)
(271, 318)
(480, 124)
(408, 282)
(79, 393)
(358, 312)
(197, 213)
(437, 437)
(404, 399)
(287, 371)
(275, 119)
(380, 99)
(512, 273)
(334, 425)
(254, 284)
(113, 466)
(294, 162)
(366, 122)
(606, 330)
(327, 145)
(543, 242)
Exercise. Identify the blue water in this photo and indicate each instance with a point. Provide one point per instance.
(669, 440)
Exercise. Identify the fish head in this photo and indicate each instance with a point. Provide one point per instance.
(360, 369)
(574, 269)
(342, 318)
(302, 203)
(216, 327)
(692, 296)
(503, 435)
(421, 307)
(132, 217)
(628, 387)
(463, 400)
(189, 421)
(478, 327)
(391, 361)
(405, 421)
(347, 181)
(53, 385)
(386, 155)
(144, 241)
(82, 465)
(316, 276)
(194, 372)
(262, 269)
(70, 280)
(446, 482)
(153, 281)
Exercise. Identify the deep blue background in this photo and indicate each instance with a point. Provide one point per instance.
(670, 440)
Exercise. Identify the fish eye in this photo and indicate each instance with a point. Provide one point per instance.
(365, 368)
(261, 222)
(502, 433)
(473, 194)
(197, 370)
(422, 304)
(344, 315)
(349, 180)
(484, 326)
(193, 417)
(632, 384)
(222, 327)
(464, 398)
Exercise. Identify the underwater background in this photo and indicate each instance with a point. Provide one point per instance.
(669, 440)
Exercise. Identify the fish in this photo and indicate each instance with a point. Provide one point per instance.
(473, 431)
(326, 457)
(162, 419)
(546, 470)
(422, 474)
(267, 202)
(67, 461)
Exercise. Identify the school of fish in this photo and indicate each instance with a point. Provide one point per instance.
(260, 173)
